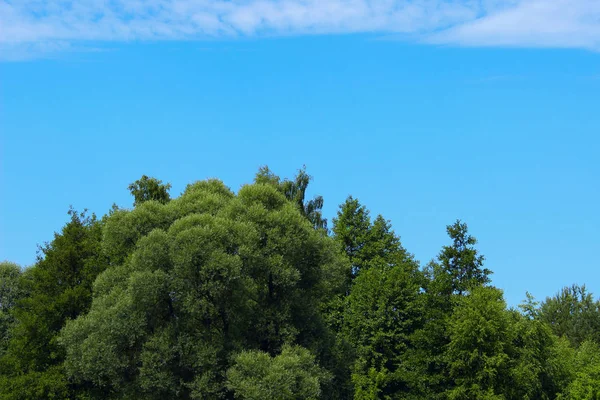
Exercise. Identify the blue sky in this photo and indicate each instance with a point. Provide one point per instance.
(485, 111)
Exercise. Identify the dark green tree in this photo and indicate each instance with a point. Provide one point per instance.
(574, 314)
(146, 188)
(382, 308)
(461, 261)
(351, 229)
(59, 288)
(11, 291)
(457, 271)
(540, 362)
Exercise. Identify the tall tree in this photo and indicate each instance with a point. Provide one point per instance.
(366, 243)
(382, 308)
(351, 229)
(147, 188)
(461, 261)
(457, 270)
(59, 288)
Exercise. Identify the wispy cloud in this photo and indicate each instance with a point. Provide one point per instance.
(37, 26)
(532, 23)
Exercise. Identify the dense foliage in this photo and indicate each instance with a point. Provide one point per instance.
(249, 295)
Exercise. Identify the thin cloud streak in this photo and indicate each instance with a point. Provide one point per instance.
(33, 26)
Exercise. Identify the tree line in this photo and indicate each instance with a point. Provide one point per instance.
(254, 295)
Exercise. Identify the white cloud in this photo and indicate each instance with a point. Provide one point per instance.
(532, 23)
(27, 25)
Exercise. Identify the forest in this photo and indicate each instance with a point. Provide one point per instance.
(255, 295)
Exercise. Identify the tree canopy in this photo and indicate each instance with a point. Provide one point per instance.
(217, 294)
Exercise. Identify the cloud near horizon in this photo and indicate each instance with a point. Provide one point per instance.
(33, 28)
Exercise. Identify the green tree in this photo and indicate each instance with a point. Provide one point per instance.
(461, 261)
(572, 313)
(457, 270)
(201, 278)
(586, 367)
(351, 229)
(380, 309)
(59, 288)
(11, 291)
(291, 375)
(366, 243)
(145, 189)
(480, 339)
(540, 362)
(383, 310)
(497, 353)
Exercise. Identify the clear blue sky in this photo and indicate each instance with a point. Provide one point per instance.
(504, 137)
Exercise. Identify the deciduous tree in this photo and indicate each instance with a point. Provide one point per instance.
(147, 188)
